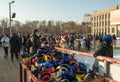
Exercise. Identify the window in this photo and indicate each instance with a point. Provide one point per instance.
(117, 7)
(105, 16)
(109, 16)
(105, 23)
(108, 22)
(102, 16)
(95, 24)
(102, 23)
(99, 30)
(94, 18)
(113, 30)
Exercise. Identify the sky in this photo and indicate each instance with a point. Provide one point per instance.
(65, 10)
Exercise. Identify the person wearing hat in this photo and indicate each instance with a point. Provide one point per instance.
(105, 49)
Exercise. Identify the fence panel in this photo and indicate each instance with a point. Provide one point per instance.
(109, 69)
(88, 59)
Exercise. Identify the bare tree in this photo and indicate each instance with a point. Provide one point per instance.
(48, 27)
(4, 26)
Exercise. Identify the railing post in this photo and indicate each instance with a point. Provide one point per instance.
(21, 77)
(25, 76)
(31, 80)
(106, 68)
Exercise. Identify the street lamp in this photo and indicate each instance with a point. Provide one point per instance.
(10, 15)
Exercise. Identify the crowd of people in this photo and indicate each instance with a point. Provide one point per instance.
(31, 43)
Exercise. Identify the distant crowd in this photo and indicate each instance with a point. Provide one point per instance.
(27, 43)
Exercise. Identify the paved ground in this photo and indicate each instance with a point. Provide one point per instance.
(9, 71)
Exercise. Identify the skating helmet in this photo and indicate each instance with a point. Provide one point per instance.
(107, 37)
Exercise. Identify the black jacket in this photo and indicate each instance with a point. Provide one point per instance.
(36, 43)
(14, 44)
(104, 50)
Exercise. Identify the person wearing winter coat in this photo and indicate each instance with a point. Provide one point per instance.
(14, 46)
(71, 40)
(104, 49)
(34, 42)
(5, 43)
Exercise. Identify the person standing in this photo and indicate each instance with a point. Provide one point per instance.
(66, 37)
(78, 43)
(114, 40)
(105, 49)
(0, 41)
(24, 43)
(62, 42)
(35, 42)
(14, 46)
(88, 43)
(20, 44)
(5, 43)
(71, 39)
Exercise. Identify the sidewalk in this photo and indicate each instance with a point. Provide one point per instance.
(9, 71)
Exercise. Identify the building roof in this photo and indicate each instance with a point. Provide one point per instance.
(107, 10)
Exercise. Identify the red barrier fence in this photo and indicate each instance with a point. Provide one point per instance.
(27, 76)
(112, 60)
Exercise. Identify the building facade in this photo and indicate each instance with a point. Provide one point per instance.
(87, 23)
(101, 22)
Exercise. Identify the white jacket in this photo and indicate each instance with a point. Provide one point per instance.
(5, 41)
